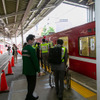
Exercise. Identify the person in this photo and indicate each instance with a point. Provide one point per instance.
(38, 50)
(15, 53)
(59, 70)
(44, 50)
(30, 66)
(36, 46)
(8, 50)
(24, 44)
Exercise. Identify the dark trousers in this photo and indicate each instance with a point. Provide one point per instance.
(59, 82)
(45, 60)
(31, 83)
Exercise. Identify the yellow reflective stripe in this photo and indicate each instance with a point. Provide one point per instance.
(63, 53)
(26, 55)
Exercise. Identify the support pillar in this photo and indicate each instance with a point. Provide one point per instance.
(15, 39)
(90, 13)
(22, 34)
(4, 44)
(97, 14)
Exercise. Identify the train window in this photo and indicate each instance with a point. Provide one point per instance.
(87, 46)
(84, 49)
(90, 30)
(92, 45)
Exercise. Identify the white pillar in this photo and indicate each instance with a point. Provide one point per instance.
(4, 44)
(15, 39)
(90, 13)
(97, 14)
(22, 34)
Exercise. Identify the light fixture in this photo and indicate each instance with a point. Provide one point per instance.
(80, 1)
(32, 21)
(39, 3)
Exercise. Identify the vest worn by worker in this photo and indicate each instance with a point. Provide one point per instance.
(56, 55)
(50, 45)
(44, 47)
(33, 46)
(63, 53)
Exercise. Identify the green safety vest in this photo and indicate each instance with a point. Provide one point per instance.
(44, 47)
(63, 53)
(33, 46)
(51, 45)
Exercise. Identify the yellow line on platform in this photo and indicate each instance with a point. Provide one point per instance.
(82, 90)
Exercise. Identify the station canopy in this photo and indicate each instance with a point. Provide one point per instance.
(25, 14)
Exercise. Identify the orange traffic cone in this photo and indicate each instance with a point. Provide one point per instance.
(12, 61)
(4, 86)
(9, 69)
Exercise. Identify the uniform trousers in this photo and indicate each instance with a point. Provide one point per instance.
(45, 60)
(59, 82)
(31, 83)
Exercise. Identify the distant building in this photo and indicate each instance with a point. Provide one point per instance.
(62, 24)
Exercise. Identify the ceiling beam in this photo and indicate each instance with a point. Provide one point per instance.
(12, 14)
(16, 10)
(28, 9)
(4, 7)
(75, 4)
(8, 25)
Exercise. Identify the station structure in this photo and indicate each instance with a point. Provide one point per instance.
(19, 16)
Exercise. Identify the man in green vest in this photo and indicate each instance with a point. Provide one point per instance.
(30, 66)
(44, 47)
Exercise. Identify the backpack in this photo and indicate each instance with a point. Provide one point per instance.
(55, 55)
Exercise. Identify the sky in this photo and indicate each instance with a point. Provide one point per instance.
(75, 15)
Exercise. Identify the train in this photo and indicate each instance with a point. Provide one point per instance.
(80, 42)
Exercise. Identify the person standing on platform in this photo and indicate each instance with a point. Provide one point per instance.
(9, 50)
(59, 70)
(15, 53)
(24, 44)
(38, 51)
(44, 50)
(30, 66)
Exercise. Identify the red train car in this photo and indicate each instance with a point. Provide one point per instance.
(81, 44)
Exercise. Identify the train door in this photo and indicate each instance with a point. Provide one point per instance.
(65, 44)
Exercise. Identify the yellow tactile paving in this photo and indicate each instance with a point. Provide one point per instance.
(82, 90)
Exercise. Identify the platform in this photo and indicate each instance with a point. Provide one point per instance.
(19, 89)
(82, 87)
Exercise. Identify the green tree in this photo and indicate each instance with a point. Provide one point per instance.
(47, 31)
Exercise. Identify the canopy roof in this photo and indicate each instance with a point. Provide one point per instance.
(15, 14)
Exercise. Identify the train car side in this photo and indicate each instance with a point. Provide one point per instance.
(81, 48)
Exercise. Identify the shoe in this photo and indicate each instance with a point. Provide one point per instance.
(35, 97)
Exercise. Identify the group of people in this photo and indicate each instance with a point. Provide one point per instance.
(31, 56)
(14, 51)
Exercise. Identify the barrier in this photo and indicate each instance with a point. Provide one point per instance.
(4, 86)
(3, 83)
(12, 61)
(9, 69)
